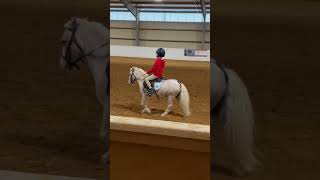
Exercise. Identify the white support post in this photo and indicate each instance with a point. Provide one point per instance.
(138, 29)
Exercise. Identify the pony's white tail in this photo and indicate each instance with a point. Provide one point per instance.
(237, 126)
(183, 99)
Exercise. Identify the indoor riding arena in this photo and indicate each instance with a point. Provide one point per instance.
(125, 98)
(151, 146)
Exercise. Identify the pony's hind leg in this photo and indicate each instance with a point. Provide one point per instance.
(144, 103)
(170, 104)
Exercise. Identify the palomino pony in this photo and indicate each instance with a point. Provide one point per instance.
(170, 89)
(232, 122)
(87, 42)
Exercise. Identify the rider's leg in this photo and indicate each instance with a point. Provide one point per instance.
(149, 78)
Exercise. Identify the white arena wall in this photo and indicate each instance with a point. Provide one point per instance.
(160, 34)
(167, 140)
(150, 52)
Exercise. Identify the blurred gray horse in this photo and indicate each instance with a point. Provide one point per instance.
(88, 42)
(232, 122)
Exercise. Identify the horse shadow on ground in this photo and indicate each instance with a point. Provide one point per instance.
(138, 108)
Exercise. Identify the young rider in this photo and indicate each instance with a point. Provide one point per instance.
(157, 69)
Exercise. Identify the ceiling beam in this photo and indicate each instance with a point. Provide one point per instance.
(130, 7)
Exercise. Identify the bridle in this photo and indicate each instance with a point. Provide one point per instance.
(133, 77)
(68, 56)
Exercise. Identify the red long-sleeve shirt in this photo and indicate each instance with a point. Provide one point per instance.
(158, 68)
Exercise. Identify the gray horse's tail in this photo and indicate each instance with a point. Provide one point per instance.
(237, 126)
(183, 98)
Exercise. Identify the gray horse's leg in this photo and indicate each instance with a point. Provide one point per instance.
(105, 124)
(170, 104)
(105, 117)
(142, 100)
(144, 103)
(105, 127)
(98, 69)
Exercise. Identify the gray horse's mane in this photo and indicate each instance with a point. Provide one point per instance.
(89, 34)
(93, 23)
(138, 69)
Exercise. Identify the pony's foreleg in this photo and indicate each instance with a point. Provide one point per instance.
(142, 100)
(170, 104)
(104, 131)
(144, 103)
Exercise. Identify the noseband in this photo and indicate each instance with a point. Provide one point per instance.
(133, 76)
(68, 56)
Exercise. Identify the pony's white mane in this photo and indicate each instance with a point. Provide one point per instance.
(139, 70)
(136, 68)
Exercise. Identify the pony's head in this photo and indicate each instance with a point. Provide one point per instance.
(136, 74)
(71, 46)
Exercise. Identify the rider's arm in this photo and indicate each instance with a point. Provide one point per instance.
(153, 68)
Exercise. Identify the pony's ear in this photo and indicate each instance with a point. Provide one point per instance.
(70, 24)
(75, 20)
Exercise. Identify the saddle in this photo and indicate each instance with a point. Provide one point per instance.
(153, 81)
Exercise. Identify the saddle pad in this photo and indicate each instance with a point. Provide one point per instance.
(157, 85)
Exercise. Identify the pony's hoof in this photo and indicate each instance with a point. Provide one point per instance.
(146, 111)
(163, 114)
(186, 115)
